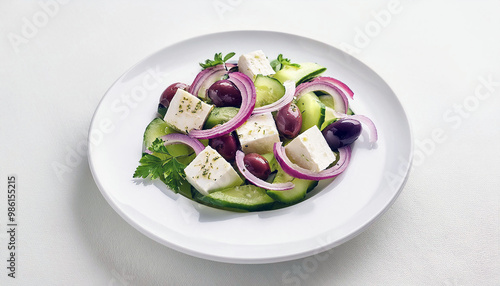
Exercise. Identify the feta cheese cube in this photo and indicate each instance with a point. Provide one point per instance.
(209, 172)
(258, 134)
(254, 63)
(310, 150)
(187, 112)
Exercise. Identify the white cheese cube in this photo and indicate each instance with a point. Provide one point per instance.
(310, 150)
(209, 172)
(258, 134)
(254, 63)
(187, 112)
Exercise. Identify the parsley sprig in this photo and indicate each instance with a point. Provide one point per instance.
(281, 62)
(165, 167)
(218, 60)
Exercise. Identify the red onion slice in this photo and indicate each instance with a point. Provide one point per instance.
(301, 173)
(248, 96)
(256, 181)
(338, 83)
(278, 104)
(175, 138)
(207, 77)
(339, 98)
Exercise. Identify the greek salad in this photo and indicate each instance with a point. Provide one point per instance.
(251, 135)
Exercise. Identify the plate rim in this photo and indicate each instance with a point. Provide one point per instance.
(247, 260)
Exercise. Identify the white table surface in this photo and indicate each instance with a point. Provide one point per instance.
(57, 59)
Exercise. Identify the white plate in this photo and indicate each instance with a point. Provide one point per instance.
(337, 213)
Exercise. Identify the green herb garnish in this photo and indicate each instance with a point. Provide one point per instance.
(218, 60)
(281, 62)
(169, 170)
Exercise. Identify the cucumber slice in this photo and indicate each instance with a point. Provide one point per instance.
(220, 115)
(329, 114)
(273, 164)
(294, 195)
(313, 111)
(246, 197)
(157, 128)
(268, 90)
(328, 102)
(329, 118)
(305, 72)
(197, 197)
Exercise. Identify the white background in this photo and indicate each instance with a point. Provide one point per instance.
(442, 230)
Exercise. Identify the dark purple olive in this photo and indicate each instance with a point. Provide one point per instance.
(342, 132)
(224, 93)
(289, 120)
(226, 145)
(257, 165)
(170, 91)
